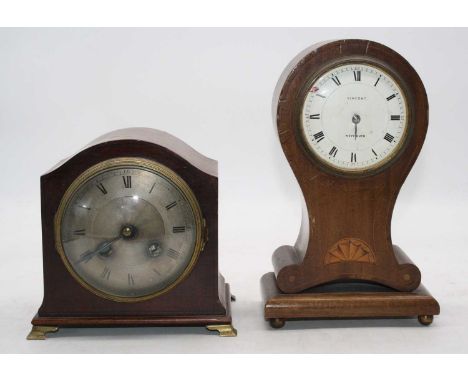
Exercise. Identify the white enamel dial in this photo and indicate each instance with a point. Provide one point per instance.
(354, 117)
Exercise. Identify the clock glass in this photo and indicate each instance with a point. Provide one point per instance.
(354, 117)
(129, 229)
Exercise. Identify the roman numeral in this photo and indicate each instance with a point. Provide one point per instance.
(154, 184)
(391, 97)
(178, 229)
(336, 80)
(357, 75)
(170, 205)
(395, 117)
(353, 157)
(101, 188)
(105, 274)
(131, 281)
(374, 152)
(79, 232)
(319, 136)
(172, 253)
(333, 151)
(321, 96)
(314, 116)
(127, 181)
(378, 79)
(156, 271)
(389, 137)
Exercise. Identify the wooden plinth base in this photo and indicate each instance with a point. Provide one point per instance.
(221, 324)
(345, 301)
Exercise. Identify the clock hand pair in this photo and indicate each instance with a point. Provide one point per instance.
(102, 249)
(356, 119)
(127, 232)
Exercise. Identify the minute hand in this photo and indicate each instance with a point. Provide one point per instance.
(88, 255)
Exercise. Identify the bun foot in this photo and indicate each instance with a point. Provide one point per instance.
(277, 323)
(425, 320)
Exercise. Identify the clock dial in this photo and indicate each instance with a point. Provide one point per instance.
(129, 228)
(354, 117)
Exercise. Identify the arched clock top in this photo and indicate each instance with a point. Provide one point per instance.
(155, 137)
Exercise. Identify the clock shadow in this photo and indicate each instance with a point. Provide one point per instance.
(129, 332)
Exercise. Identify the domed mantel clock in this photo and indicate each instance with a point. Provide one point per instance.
(130, 237)
(351, 117)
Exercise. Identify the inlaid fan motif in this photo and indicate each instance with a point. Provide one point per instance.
(350, 249)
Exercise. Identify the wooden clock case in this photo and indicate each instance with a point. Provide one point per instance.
(201, 299)
(345, 233)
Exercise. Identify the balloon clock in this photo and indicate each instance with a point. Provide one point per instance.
(351, 116)
(130, 237)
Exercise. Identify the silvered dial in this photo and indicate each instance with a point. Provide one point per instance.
(129, 228)
(354, 117)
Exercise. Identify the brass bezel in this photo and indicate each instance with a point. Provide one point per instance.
(140, 163)
(377, 167)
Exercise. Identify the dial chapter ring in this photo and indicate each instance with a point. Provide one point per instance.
(145, 164)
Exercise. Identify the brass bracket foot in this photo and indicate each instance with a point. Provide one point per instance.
(39, 332)
(224, 330)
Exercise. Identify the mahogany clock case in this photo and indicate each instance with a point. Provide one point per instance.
(203, 298)
(345, 210)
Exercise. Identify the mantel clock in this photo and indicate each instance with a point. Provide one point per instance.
(130, 237)
(351, 117)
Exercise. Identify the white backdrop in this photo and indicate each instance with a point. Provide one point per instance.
(61, 88)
